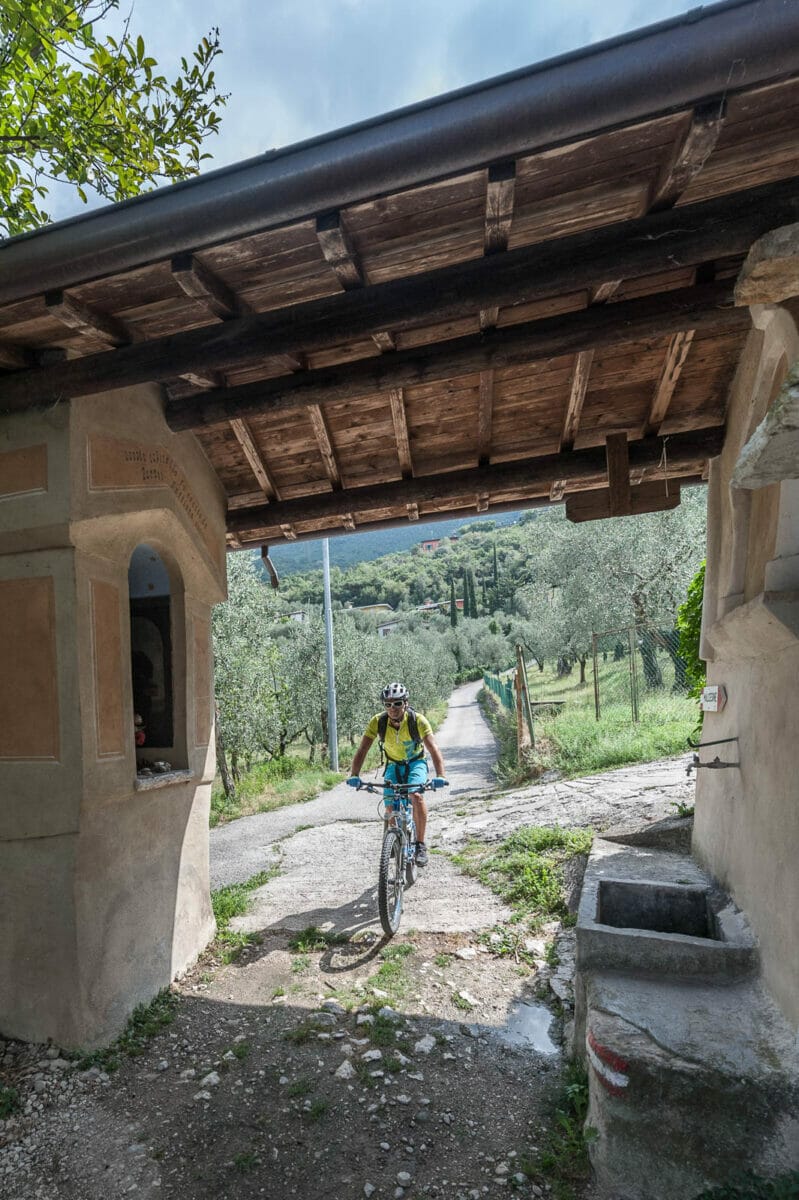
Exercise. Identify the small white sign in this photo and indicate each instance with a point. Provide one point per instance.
(713, 697)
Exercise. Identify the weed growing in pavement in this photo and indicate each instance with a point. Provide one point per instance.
(562, 1161)
(300, 1087)
(301, 963)
(278, 992)
(392, 1065)
(312, 938)
(443, 960)
(383, 1031)
(247, 1161)
(364, 1072)
(9, 1102)
(300, 1035)
(461, 1002)
(145, 1022)
(526, 871)
(241, 1050)
(682, 809)
(233, 901)
(755, 1187)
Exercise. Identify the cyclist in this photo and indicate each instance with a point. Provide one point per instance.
(404, 736)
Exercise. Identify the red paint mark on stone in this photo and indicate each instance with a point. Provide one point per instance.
(613, 1060)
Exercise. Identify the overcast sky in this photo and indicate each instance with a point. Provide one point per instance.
(296, 68)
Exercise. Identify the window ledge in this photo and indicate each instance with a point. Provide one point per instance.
(147, 783)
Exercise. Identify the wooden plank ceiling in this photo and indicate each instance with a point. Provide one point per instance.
(522, 333)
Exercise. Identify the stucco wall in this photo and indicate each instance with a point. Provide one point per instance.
(747, 820)
(104, 882)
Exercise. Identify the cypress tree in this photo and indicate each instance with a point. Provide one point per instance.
(453, 608)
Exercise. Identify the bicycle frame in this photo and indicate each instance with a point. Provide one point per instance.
(397, 865)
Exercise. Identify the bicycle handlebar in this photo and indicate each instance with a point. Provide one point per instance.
(402, 788)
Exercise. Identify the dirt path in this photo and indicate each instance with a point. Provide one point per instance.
(428, 1067)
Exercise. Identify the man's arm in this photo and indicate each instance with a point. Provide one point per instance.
(432, 748)
(360, 755)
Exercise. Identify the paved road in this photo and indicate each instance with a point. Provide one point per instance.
(244, 847)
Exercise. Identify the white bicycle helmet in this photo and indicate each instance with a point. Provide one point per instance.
(394, 691)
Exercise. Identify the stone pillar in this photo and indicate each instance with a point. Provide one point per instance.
(747, 820)
(104, 892)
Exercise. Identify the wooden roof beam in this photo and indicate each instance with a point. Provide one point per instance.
(520, 481)
(485, 414)
(198, 282)
(692, 234)
(97, 327)
(413, 511)
(399, 419)
(16, 357)
(244, 437)
(323, 441)
(689, 157)
(618, 456)
(676, 355)
(648, 497)
(332, 235)
(707, 307)
(579, 385)
(500, 193)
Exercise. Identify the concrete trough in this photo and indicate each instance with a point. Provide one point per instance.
(645, 911)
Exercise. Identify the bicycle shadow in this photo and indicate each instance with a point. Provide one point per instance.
(350, 927)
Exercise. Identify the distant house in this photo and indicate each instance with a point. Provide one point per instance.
(375, 608)
(388, 627)
(431, 606)
(299, 615)
(431, 544)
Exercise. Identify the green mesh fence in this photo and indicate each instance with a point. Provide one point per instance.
(634, 666)
(502, 689)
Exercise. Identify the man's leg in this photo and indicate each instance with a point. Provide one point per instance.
(419, 805)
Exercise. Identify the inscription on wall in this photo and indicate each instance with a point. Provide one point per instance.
(29, 692)
(23, 471)
(107, 648)
(116, 465)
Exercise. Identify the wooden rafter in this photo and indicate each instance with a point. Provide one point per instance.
(348, 521)
(195, 279)
(603, 291)
(706, 307)
(690, 235)
(334, 240)
(97, 327)
(595, 505)
(690, 156)
(509, 482)
(558, 490)
(288, 532)
(399, 419)
(485, 417)
(384, 340)
(322, 435)
(579, 385)
(500, 192)
(673, 364)
(482, 501)
(412, 511)
(251, 453)
(618, 457)
(16, 357)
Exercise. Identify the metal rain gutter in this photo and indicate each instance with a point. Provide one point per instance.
(701, 55)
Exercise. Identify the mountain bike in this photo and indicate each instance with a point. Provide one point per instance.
(397, 855)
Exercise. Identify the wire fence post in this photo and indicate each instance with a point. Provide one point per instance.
(596, 675)
(633, 675)
(521, 673)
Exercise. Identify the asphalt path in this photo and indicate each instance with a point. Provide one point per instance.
(244, 847)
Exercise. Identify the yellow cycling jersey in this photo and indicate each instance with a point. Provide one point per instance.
(399, 745)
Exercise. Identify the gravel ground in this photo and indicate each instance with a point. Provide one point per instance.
(248, 1094)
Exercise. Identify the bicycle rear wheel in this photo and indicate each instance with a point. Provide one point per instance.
(391, 882)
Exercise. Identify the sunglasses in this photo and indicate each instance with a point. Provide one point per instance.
(394, 703)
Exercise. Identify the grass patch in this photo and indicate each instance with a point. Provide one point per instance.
(318, 1108)
(461, 1002)
(526, 871)
(300, 1035)
(233, 901)
(312, 939)
(145, 1022)
(9, 1102)
(301, 963)
(390, 976)
(300, 1087)
(247, 1161)
(241, 1050)
(270, 785)
(754, 1187)
(443, 960)
(562, 1161)
(383, 1031)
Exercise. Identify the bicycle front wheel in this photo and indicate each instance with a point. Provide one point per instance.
(390, 882)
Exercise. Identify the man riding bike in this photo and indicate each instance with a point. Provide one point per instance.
(404, 736)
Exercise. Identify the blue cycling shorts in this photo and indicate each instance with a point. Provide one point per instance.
(414, 773)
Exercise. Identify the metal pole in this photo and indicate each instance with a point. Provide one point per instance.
(332, 729)
(596, 675)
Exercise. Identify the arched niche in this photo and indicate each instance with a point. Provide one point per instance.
(157, 656)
